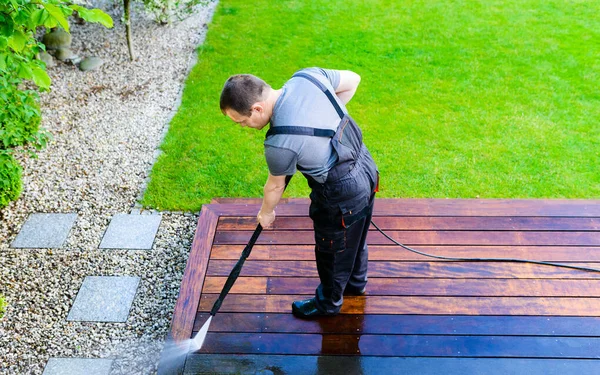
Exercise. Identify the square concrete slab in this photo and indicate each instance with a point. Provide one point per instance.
(104, 299)
(45, 231)
(135, 232)
(78, 366)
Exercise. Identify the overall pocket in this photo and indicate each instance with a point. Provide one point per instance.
(330, 241)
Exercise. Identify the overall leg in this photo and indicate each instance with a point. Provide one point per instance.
(341, 214)
(336, 253)
(358, 277)
(339, 237)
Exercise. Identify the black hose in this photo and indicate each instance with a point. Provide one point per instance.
(589, 269)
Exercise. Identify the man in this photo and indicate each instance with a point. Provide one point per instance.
(312, 132)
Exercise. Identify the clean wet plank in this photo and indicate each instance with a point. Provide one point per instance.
(424, 305)
(403, 345)
(366, 365)
(566, 326)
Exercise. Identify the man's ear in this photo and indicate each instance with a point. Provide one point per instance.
(258, 107)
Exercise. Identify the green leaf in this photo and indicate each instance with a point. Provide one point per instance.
(57, 14)
(7, 27)
(3, 43)
(38, 17)
(40, 77)
(17, 41)
(25, 71)
(50, 22)
(94, 15)
(2, 62)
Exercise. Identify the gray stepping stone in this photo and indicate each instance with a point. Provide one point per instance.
(78, 366)
(131, 232)
(104, 299)
(45, 231)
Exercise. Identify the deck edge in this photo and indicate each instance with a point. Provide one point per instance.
(188, 299)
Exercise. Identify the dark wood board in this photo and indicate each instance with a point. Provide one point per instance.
(420, 314)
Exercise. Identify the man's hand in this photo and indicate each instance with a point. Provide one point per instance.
(266, 218)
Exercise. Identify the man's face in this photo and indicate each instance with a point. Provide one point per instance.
(256, 120)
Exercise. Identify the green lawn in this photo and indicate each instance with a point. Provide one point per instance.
(458, 99)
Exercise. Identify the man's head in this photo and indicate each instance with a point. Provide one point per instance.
(244, 99)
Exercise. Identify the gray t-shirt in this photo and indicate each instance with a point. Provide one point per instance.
(302, 103)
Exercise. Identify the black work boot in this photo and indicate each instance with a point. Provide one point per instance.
(308, 309)
(353, 292)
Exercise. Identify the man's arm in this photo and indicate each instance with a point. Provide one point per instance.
(349, 82)
(273, 191)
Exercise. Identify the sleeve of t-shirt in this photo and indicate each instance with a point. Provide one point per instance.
(281, 161)
(333, 76)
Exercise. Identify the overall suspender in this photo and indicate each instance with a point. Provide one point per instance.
(304, 130)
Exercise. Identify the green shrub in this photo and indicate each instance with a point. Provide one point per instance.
(19, 108)
(10, 179)
(2, 306)
(20, 115)
(19, 126)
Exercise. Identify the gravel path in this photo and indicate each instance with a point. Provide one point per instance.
(107, 125)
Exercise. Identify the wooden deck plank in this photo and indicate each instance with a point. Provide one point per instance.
(460, 270)
(428, 305)
(406, 324)
(513, 238)
(418, 287)
(486, 223)
(427, 287)
(441, 207)
(396, 253)
(366, 365)
(403, 345)
(243, 285)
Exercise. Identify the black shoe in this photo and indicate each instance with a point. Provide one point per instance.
(307, 309)
(353, 292)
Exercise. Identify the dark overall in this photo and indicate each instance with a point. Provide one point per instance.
(341, 208)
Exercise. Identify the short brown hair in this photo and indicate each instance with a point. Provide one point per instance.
(241, 91)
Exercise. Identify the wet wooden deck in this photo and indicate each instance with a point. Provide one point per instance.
(420, 315)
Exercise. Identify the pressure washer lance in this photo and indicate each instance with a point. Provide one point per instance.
(233, 275)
